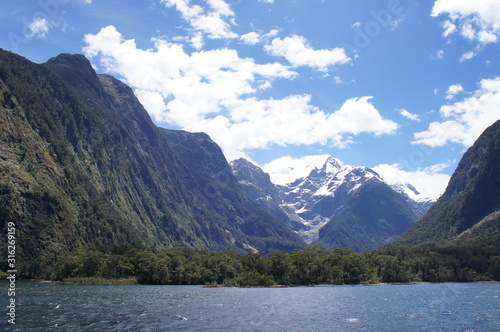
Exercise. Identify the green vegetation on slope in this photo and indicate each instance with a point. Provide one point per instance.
(81, 163)
(472, 194)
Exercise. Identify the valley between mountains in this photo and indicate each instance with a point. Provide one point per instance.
(83, 166)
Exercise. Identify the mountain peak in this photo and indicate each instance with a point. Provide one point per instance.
(334, 162)
(331, 166)
(66, 57)
(247, 170)
(77, 61)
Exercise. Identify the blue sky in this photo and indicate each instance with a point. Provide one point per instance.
(404, 87)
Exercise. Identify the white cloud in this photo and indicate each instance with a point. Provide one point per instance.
(475, 21)
(487, 37)
(453, 90)
(299, 53)
(468, 55)
(463, 121)
(267, 1)
(250, 38)
(338, 80)
(271, 33)
(449, 28)
(215, 20)
(39, 28)
(487, 12)
(408, 115)
(467, 31)
(216, 92)
(358, 115)
(429, 181)
(286, 169)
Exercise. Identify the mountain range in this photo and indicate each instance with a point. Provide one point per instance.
(81, 163)
(336, 205)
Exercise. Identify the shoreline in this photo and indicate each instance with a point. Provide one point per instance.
(131, 282)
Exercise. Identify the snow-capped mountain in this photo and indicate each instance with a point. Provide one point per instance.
(322, 194)
(310, 203)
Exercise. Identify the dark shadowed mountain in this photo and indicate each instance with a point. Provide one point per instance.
(469, 207)
(81, 163)
(374, 215)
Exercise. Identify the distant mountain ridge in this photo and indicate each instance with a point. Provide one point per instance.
(316, 206)
(81, 163)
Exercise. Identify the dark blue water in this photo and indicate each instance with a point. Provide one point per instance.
(422, 307)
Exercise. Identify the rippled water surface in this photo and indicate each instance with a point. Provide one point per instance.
(421, 307)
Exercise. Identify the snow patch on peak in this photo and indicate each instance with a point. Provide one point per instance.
(414, 194)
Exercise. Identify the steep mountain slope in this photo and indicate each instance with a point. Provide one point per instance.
(81, 163)
(256, 183)
(374, 215)
(366, 211)
(472, 195)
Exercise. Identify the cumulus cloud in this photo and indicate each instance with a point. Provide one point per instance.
(429, 181)
(216, 91)
(477, 21)
(250, 38)
(298, 52)
(215, 19)
(38, 28)
(463, 121)
(287, 169)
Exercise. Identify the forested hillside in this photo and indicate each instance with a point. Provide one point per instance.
(81, 163)
(471, 202)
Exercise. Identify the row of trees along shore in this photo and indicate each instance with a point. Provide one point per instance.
(310, 266)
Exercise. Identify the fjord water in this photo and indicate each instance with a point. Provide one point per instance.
(419, 307)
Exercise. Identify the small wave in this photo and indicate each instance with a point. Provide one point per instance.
(352, 320)
(180, 317)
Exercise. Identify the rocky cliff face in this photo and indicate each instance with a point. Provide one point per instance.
(81, 163)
